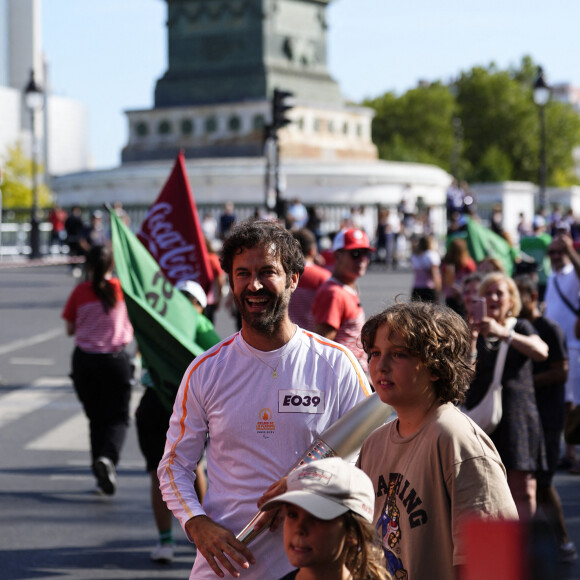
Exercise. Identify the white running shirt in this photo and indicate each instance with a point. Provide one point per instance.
(258, 428)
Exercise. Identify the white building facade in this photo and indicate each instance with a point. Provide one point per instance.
(62, 126)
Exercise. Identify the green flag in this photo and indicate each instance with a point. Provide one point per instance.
(169, 331)
(482, 243)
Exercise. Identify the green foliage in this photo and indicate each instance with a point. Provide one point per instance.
(498, 112)
(416, 126)
(494, 166)
(483, 127)
(562, 131)
(17, 181)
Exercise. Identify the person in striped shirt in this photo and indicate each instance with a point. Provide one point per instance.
(96, 315)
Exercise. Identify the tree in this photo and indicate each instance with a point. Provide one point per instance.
(416, 126)
(17, 181)
(483, 127)
(499, 114)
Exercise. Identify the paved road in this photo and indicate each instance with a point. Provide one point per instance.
(52, 525)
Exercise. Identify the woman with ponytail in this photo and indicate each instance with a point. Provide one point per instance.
(95, 313)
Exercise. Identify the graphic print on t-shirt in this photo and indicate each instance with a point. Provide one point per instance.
(388, 524)
(265, 427)
(389, 531)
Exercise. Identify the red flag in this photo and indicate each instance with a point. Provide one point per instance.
(172, 233)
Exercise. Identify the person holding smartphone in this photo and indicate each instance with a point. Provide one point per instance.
(479, 310)
(518, 437)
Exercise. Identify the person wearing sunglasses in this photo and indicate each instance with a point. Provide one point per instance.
(338, 314)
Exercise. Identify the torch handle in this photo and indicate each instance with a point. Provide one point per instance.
(318, 450)
(343, 438)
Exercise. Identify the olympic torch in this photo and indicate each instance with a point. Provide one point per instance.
(342, 439)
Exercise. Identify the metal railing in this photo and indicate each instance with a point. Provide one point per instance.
(15, 224)
(15, 240)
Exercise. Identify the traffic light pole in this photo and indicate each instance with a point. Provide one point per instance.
(269, 154)
(279, 120)
(280, 202)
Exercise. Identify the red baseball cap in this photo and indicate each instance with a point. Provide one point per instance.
(351, 239)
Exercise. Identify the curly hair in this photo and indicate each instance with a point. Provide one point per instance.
(435, 334)
(255, 233)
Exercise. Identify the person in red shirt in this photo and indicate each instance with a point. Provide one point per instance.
(338, 314)
(216, 292)
(456, 266)
(312, 278)
(57, 217)
(96, 315)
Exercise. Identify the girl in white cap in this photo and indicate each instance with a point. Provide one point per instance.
(328, 533)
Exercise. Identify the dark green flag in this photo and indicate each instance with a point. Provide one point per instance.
(169, 331)
(482, 242)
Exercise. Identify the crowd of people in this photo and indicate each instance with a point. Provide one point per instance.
(305, 354)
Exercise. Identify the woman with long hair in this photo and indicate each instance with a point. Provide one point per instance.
(328, 531)
(456, 265)
(518, 436)
(96, 315)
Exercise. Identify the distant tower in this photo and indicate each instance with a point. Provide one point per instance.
(64, 149)
(20, 42)
(223, 51)
(226, 57)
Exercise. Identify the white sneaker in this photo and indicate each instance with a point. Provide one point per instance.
(106, 477)
(163, 553)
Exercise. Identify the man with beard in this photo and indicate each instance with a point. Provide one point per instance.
(259, 399)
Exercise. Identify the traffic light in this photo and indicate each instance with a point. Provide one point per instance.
(279, 108)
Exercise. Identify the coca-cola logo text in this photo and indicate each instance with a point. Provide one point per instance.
(177, 258)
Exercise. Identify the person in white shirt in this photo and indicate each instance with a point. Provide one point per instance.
(259, 398)
(562, 306)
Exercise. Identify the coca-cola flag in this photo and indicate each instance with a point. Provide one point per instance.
(169, 331)
(172, 233)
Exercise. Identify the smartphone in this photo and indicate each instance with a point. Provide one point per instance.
(479, 309)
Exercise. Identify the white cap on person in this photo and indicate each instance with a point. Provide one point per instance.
(328, 488)
(194, 290)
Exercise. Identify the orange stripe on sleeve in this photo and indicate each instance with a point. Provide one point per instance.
(170, 461)
(347, 352)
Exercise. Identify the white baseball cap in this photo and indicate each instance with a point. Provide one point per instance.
(193, 289)
(328, 488)
(539, 222)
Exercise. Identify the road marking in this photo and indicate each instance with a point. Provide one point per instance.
(26, 400)
(41, 362)
(22, 402)
(70, 435)
(52, 382)
(26, 342)
(73, 433)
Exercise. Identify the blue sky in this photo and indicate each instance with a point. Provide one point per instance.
(109, 53)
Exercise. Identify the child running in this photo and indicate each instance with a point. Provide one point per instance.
(328, 533)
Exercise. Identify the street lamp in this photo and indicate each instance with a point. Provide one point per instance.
(34, 100)
(542, 93)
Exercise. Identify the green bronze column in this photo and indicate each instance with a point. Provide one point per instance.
(223, 51)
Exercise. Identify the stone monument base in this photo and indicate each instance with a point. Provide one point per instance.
(229, 130)
(242, 180)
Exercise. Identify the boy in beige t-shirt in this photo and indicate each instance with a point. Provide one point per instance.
(432, 467)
